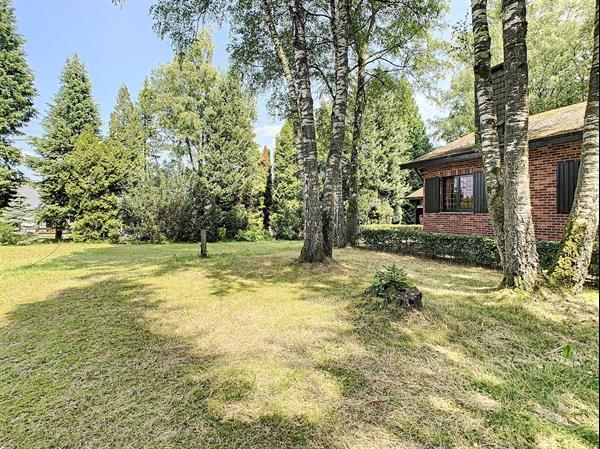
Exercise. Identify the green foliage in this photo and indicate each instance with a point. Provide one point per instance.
(559, 47)
(98, 170)
(176, 101)
(17, 212)
(287, 212)
(72, 112)
(390, 280)
(126, 129)
(8, 235)
(168, 204)
(459, 248)
(16, 100)
(201, 122)
(232, 163)
(393, 132)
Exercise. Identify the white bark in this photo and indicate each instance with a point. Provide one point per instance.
(522, 269)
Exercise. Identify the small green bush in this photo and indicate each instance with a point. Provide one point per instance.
(252, 235)
(390, 280)
(459, 248)
(8, 234)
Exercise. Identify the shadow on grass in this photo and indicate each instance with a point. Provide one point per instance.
(470, 370)
(81, 370)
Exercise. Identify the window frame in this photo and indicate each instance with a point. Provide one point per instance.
(443, 196)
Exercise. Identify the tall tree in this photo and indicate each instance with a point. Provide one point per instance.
(180, 94)
(333, 206)
(286, 217)
(99, 172)
(488, 140)
(521, 262)
(570, 268)
(125, 127)
(392, 133)
(559, 46)
(231, 158)
(71, 113)
(313, 249)
(395, 37)
(16, 100)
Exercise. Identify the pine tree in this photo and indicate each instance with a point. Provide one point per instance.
(100, 170)
(126, 129)
(232, 160)
(16, 100)
(18, 211)
(286, 216)
(392, 132)
(72, 112)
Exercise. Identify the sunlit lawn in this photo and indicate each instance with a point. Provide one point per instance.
(149, 346)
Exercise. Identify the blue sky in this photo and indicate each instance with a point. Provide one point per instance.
(118, 45)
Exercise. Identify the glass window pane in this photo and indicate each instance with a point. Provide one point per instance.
(466, 199)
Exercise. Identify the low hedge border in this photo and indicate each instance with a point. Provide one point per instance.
(459, 248)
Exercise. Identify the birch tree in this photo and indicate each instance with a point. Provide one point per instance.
(333, 208)
(521, 262)
(570, 268)
(488, 134)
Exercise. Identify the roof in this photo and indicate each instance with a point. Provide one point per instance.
(554, 123)
(416, 195)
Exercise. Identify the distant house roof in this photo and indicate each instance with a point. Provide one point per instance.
(32, 195)
(549, 124)
(416, 195)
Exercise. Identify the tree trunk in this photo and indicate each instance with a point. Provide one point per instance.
(294, 105)
(340, 216)
(352, 228)
(289, 78)
(313, 249)
(487, 131)
(522, 267)
(571, 266)
(333, 172)
(58, 233)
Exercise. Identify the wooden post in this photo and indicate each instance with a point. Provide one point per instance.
(203, 249)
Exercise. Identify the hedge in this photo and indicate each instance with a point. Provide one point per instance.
(459, 248)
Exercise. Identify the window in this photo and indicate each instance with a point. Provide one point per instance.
(457, 193)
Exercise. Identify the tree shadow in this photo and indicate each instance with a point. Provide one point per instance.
(81, 369)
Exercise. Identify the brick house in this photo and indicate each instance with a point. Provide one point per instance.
(454, 184)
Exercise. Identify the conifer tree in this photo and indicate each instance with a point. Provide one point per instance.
(16, 99)
(232, 159)
(71, 113)
(286, 216)
(125, 128)
(18, 211)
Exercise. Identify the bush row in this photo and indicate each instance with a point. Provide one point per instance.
(460, 248)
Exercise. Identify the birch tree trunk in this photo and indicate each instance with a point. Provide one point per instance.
(487, 126)
(289, 78)
(352, 228)
(313, 249)
(574, 255)
(332, 199)
(522, 267)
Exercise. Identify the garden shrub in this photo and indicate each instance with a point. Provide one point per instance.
(460, 248)
(390, 280)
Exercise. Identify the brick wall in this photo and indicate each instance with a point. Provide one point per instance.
(549, 225)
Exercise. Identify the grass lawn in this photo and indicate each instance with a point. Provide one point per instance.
(151, 347)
